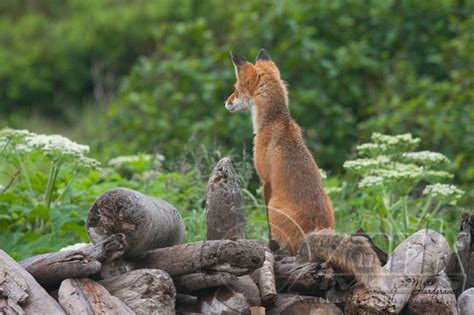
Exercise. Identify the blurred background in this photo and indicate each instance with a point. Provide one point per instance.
(136, 76)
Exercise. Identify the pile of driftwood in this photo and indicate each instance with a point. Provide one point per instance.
(137, 264)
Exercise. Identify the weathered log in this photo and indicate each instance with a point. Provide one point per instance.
(147, 222)
(202, 280)
(460, 269)
(302, 305)
(85, 296)
(383, 257)
(466, 302)
(52, 268)
(415, 260)
(265, 278)
(224, 203)
(436, 297)
(238, 257)
(145, 291)
(224, 301)
(186, 304)
(20, 293)
(310, 277)
(247, 287)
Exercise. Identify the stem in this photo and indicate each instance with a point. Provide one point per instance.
(53, 174)
(405, 211)
(26, 176)
(69, 184)
(4, 149)
(249, 194)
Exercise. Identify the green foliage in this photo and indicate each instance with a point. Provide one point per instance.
(400, 191)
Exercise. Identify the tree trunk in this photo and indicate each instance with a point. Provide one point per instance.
(265, 278)
(238, 257)
(145, 291)
(85, 296)
(52, 268)
(436, 297)
(466, 302)
(415, 260)
(147, 222)
(224, 203)
(288, 304)
(20, 293)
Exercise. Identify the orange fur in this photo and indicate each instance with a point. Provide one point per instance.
(294, 195)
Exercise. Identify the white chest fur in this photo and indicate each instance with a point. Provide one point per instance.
(253, 110)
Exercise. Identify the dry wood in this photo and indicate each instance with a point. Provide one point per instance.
(466, 302)
(186, 304)
(436, 297)
(247, 287)
(224, 203)
(147, 222)
(238, 257)
(202, 280)
(383, 257)
(52, 268)
(20, 293)
(85, 296)
(415, 260)
(224, 301)
(145, 291)
(309, 277)
(265, 278)
(303, 305)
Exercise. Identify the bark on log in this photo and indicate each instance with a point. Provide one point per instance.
(383, 257)
(245, 286)
(265, 278)
(202, 280)
(436, 297)
(238, 257)
(224, 301)
(224, 203)
(186, 304)
(415, 260)
(302, 305)
(460, 269)
(20, 293)
(85, 296)
(52, 268)
(145, 291)
(147, 222)
(466, 302)
(310, 277)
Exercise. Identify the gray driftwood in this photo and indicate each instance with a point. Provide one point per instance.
(238, 257)
(288, 304)
(85, 296)
(224, 301)
(466, 302)
(145, 291)
(147, 222)
(52, 268)
(436, 297)
(224, 203)
(415, 260)
(309, 277)
(265, 278)
(20, 293)
(202, 280)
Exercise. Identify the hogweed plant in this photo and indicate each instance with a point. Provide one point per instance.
(406, 188)
(36, 175)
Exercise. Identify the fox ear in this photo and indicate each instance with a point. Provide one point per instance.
(263, 55)
(237, 60)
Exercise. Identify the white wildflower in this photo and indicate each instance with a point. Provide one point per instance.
(8, 133)
(333, 190)
(121, 161)
(323, 173)
(425, 157)
(402, 142)
(371, 149)
(58, 145)
(443, 191)
(400, 171)
(436, 176)
(360, 165)
(370, 181)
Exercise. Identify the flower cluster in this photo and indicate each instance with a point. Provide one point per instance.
(425, 157)
(371, 181)
(371, 149)
(398, 143)
(361, 165)
(444, 192)
(56, 147)
(123, 160)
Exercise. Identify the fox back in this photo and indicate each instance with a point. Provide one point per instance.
(295, 200)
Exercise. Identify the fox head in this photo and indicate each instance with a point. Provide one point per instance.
(256, 84)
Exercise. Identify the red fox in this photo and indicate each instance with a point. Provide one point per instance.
(293, 190)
